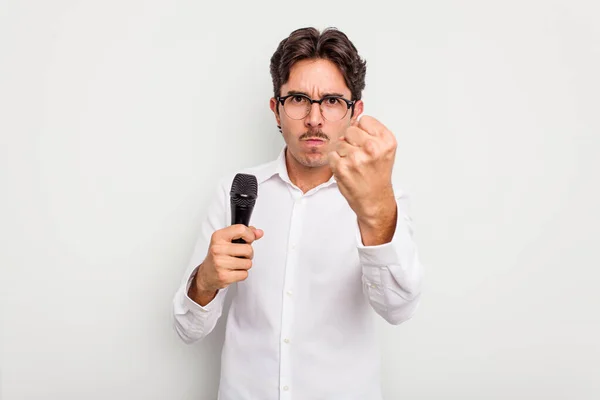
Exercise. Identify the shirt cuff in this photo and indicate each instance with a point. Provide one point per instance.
(383, 255)
(196, 308)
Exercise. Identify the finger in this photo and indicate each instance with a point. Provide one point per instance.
(372, 126)
(237, 231)
(238, 263)
(343, 148)
(337, 165)
(356, 136)
(334, 159)
(240, 250)
(236, 276)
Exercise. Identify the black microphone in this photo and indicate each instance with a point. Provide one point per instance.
(244, 190)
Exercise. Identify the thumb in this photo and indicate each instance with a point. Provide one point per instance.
(257, 232)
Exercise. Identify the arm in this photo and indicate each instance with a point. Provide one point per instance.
(196, 314)
(392, 273)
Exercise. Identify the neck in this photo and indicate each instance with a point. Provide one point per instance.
(306, 178)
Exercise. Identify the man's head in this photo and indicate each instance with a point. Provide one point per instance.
(320, 66)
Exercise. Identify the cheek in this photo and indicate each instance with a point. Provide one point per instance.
(292, 125)
(290, 129)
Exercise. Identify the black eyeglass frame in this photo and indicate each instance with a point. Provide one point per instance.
(349, 103)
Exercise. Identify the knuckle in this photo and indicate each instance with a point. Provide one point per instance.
(221, 276)
(390, 139)
(371, 146)
(391, 148)
(218, 263)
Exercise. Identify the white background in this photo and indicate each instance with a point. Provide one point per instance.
(117, 118)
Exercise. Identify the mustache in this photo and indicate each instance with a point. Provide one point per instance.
(314, 134)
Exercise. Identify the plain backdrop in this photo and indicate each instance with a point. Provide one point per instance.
(117, 118)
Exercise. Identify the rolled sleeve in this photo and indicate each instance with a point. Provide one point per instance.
(392, 273)
(193, 321)
(199, 311)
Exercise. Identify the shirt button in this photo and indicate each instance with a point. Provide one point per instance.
(373, 285)
(286, 388)
(293, 246)
(289, 292)
(286, 340)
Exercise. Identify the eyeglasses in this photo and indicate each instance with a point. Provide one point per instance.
(298, 106)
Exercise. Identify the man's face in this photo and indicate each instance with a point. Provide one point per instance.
(310, 139)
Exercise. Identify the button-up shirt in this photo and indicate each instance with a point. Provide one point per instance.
(301, 325)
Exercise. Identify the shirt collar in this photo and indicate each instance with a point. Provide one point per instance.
(279, 167)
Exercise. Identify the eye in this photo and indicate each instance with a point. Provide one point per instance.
(332, 102)
(298, 99)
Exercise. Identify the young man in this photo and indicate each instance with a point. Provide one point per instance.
(332, 244)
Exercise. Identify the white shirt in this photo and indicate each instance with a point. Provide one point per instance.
(301, 325)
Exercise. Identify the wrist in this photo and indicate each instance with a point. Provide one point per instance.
(199, 283)
(378, 211)
(379, 228)
(199, 293)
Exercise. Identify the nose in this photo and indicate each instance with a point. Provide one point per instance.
(314, 118)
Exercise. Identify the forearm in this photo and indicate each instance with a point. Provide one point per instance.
(392, 273)
(196, 311)
(379, 227)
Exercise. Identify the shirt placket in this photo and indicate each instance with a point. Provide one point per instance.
(287, 339)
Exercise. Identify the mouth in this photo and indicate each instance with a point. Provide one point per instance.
(314, 142)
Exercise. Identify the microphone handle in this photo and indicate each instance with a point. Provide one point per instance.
(240, 215)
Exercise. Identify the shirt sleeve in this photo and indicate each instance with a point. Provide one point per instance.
(191, 321)
(391, 273)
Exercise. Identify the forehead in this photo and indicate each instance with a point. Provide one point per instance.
(315, 77)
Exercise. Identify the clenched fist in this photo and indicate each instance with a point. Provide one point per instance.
(225, 263)
(362, 164)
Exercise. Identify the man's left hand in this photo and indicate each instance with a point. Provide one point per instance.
(362, 164)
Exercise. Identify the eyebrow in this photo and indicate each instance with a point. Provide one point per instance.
(293, 92)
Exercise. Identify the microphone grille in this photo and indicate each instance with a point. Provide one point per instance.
(244, 190)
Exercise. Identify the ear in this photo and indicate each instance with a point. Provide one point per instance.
(273, 104)
(358, 110)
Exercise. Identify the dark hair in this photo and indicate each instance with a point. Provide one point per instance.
(309, 43)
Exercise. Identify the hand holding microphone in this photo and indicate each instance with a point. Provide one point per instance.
(230, 252)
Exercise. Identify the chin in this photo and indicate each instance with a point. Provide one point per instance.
(314, 161)
(312, 158)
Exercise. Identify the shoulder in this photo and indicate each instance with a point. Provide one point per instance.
(262, 172)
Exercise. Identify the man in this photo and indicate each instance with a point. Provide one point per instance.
(332, 242)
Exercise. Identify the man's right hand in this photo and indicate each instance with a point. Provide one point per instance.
(225, 263)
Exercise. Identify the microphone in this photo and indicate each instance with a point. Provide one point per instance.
(244, 190)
